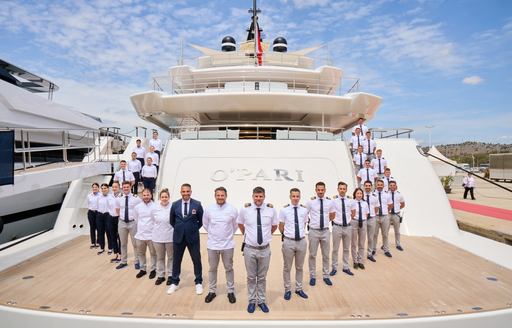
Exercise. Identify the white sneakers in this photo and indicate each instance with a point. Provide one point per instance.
(199, 289)
(172, 289)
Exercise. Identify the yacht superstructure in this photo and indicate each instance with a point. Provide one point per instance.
(250, 117)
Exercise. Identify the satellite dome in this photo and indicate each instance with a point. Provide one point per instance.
(280, 44)
(228, 43)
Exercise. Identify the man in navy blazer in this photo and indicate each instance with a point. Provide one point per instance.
(186, 218)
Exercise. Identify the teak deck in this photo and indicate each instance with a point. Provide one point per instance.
(430, 278)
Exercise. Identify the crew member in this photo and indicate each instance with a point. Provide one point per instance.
(341, 229)
(360, 212)
(162, 237)
(149, 174)
(356, 140)
(145, 224)
(92, 212)
(140, 151)
(124, 174)
(114, 222)
(135, 167)
(382, 219)
(156, 143)
(369, 145)
(366, 174)
(387, 178)
(155, 158)
(395, 204)
(359, 158)
(379, 163)
(373, 206)
(127, 226)
(105, 203)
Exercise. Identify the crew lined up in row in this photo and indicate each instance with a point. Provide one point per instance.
(175, 227)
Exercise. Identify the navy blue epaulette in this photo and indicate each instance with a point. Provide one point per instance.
(313, 198)
(335, 196)
(303, 206)
(270, 205)
(247, 204)
(327, 198)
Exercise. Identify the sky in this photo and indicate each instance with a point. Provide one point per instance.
(446, 64)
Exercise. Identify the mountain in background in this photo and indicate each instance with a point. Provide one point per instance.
(464, 152)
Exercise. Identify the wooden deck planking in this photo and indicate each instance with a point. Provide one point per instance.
(430, 278)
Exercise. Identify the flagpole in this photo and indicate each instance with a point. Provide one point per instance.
(254, 23)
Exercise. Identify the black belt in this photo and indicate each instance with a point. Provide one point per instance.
(123, 219)
(339, 225)
(318, 229)
(294, 238)
(257, 247)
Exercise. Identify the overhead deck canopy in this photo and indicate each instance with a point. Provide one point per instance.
(24, 79)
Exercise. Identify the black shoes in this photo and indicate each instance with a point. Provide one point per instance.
(121, 266)
(400, 248)
(159, 280)
(231, 298)
(169, 281)
(371, 258)
(388, 254)
(328, 281)
(152, 274)
(209, 297)
(333, 272)
(141, 274)
(347, 271)
(356, 266)
(361, 266)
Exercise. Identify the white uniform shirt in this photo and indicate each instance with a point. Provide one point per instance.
(248, 217)
(157, 143)
(354, 141)
(359, 159)
(112, 210)
(154, 156)
(379, 164)
(395, 198)
(221, 223)
(338, 207)
(287, 216)
(162, 228)
(469, 182)
(134, 166)
(364, 209)
(148, 171)
(387, 180)
(363, 128)
(105, 203)
(140, 151)
(144, 216)
(367, 175)
(313, 207)
(92, 201)
(372, 145)
(374, 202)
(128, 176)
(132, 202)
(383, 201)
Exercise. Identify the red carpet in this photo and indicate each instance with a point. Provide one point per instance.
(499, 213)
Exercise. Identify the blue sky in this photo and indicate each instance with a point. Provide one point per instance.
(441, 63)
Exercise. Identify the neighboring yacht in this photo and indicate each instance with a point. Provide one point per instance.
(256, 114)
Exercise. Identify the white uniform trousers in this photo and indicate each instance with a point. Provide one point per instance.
(341, 234)
(293, 249)
(358, 241)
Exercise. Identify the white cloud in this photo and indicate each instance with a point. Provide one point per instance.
(472, 80)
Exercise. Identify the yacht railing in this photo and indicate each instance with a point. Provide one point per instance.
(383, 133)
(182, 84)
(257, 131)
(69, 139)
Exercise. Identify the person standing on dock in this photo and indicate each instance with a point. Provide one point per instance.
(395, 204)
(144, 218)
(220, 221)
(292, 225)
(382, 219)
(341, 229)
(162, 238)
(257, 222)
(127, 225)
(92, 212)
(360, 212)
(469, 185)
(321, 212)
(186, 217)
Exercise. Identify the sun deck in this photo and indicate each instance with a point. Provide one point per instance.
(430, 278)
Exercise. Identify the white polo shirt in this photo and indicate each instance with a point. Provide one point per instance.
(162, 229)
(92, 201)
(154, 156)
(287, 216)
(140, 151)
(313, 206)
(157, 143)
(105, 203)
(148, 171)
(144, 216)
(112, 210)
(220, 221)
(248, 217)
(124, 175)
(379, 164)
(338, 207)
(134, 166)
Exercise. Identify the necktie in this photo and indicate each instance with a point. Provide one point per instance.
(360, 160)
(369, 153)
(358, 142)
(380, 167)
(361, 127)
(360, 215)
(321, 213)
(388, 183)
(185, 212)
(126, 209)
(124, 177)
(296, 216)
(343, 215)
(367, 174)
(258, 222)
(380, 205)
(393, 200)
(368, 202)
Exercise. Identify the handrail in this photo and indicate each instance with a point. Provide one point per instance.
(396, 132)
(427, 154)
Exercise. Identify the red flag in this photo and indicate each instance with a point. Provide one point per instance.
(259, 49)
